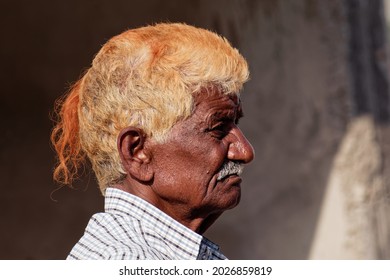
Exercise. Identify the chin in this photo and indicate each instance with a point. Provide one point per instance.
(226, 194)
(236, 202)
(231, 199)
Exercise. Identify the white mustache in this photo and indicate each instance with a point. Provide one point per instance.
(230, 168)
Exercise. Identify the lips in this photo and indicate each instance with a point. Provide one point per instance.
(230, 168)
(233, 179)
(230, 175)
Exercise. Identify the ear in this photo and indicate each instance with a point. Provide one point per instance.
(135, 158)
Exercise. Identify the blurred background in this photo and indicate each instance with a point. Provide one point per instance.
(316, 111)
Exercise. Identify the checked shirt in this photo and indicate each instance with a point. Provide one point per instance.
(131, 228)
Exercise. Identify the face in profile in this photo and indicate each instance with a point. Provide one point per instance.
(198, 167)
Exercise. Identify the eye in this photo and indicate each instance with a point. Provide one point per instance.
(220, 129)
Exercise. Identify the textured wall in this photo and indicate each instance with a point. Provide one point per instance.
(301, 111)
(297, 108)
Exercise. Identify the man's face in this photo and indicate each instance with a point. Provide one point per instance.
(188, 165)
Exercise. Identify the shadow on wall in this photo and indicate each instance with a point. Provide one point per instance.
(314, 190)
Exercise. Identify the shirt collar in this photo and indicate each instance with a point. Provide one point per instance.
(185, 242)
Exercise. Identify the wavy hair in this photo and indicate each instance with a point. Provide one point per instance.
(144, 77)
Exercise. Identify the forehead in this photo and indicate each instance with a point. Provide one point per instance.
(216, 102)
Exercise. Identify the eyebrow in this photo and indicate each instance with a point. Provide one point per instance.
(227, 114)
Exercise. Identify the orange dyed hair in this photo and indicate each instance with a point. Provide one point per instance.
(65, 137)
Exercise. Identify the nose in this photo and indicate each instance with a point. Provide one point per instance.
(239, 148)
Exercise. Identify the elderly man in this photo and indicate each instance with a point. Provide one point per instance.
(156, 115)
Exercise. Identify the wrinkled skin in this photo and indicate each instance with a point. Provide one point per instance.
(179, 176)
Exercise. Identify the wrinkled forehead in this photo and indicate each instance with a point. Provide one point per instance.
(217, 103)
(215, 94)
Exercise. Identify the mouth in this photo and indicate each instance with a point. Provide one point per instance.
(229, 169)
(233, 179)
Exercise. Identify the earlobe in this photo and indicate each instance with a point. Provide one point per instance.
(133, 153)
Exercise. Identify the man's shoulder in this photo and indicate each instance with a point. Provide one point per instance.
(110, 236)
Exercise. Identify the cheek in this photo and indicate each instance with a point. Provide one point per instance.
(182, 178)
(187, 170)
(202, 158)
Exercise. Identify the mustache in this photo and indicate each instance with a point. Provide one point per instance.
(230, 168)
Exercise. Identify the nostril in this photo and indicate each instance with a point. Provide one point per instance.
(241, 152)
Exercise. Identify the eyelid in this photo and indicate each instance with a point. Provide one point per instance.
(219, 130)
(226, 119)
(217, 125)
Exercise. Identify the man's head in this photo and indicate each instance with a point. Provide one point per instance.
(159, 107)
